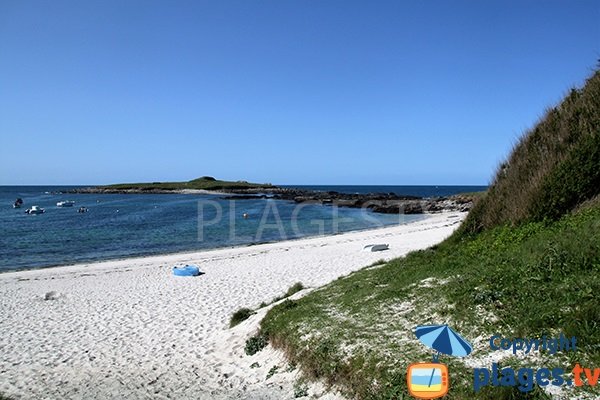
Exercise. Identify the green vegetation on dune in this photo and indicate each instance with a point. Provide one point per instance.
(551, 170)
(244, 313)
(539, 278)
(203, 183)
(240, 316)
(525, 263)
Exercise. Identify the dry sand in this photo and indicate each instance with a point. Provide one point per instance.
(130, 329)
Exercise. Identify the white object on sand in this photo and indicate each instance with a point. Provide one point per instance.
(376, 247)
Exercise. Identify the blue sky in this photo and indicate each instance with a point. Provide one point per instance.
(288, 92)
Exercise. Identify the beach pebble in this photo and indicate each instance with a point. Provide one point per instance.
(51, 296)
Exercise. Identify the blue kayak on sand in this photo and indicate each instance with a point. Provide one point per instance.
(188, 270)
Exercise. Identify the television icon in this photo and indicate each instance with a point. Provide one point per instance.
(427, 380)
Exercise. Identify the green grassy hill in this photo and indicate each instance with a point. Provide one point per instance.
(204, 183)
(525, 263)
(552, 170)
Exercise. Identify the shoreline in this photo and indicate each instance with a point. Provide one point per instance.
(186, 252)
(129, 328)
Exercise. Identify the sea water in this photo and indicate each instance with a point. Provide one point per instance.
(127, 225)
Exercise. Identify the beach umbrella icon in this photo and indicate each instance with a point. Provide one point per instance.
(444, 340)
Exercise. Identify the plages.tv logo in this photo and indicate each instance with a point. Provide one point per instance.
(431, 380)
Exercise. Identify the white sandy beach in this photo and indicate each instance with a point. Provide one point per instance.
(130, 329)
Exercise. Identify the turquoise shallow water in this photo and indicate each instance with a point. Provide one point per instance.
(118, 226)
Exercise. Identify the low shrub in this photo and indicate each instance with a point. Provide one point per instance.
(272, 372)
(295, 288)
(239, 316)
(300, 391)
(255, 344)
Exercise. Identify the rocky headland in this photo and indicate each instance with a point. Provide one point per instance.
(387, 203)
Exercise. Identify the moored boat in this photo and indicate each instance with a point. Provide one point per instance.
(66, 203)
(34, 210)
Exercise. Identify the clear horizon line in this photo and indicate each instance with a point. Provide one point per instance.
(275, 184)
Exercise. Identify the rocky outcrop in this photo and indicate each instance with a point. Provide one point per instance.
(246, 197)
(386, 203)
(432, 205)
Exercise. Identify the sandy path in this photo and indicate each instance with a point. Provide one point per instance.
(129, 329)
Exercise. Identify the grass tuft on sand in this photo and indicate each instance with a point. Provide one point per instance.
(239, 316)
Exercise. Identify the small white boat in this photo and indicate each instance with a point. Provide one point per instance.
(35, 210)
(66, 203)
(376, 247)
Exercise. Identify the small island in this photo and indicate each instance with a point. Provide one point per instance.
(199, 185)
(386, 203)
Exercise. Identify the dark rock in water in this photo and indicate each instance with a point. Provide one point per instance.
(245, 197)
(413, 208)
(386, 208)
(399, 207)
(51, 296)
(387, 203)
(348, 203)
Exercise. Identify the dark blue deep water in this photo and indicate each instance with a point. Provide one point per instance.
(119, 226)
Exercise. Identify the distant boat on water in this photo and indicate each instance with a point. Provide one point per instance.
(66, 203)
(18, 203)
(34, 210)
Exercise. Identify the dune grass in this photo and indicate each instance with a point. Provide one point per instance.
(525, 263)
(239, 316)
(295, 288)
(552, 169)
(540, 278)
(244, 313)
